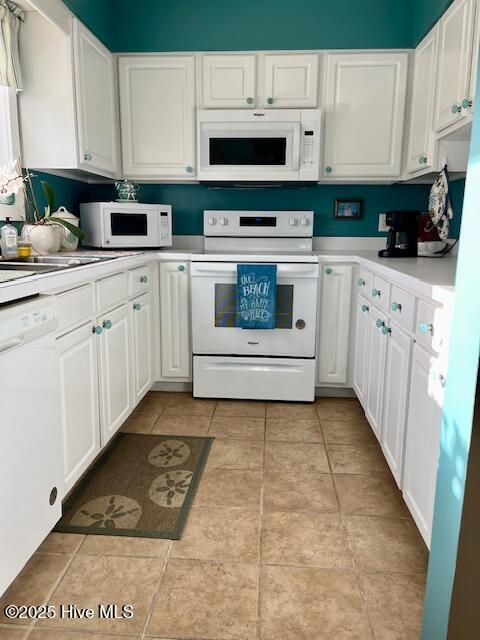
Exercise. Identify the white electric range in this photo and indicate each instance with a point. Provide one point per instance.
(257, 364)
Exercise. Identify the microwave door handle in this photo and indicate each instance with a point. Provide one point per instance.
(296, 147)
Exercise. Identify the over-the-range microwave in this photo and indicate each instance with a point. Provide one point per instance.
(126, 225)
(251, 145)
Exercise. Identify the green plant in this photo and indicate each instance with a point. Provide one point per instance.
(49, 194)
(48, 216)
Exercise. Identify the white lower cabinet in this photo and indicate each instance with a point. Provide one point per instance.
(361, 354)
(377, 340)
(142, 335)
(115, 367)
(77, 353)
(175, 320)
(335, 303)
(423, 438)
(395, 397)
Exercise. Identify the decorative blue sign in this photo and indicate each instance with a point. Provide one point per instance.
(256, 296)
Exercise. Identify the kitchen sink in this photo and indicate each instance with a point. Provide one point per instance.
(45, 264)
(31, 266)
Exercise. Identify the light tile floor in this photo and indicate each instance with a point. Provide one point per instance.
(297, 532)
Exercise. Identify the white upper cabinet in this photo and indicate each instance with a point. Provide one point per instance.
(455, 43)
(335, 301)
(229, 81)
(95, 98)
(421, 143)
(68, 109)
(364, 114)
(291, 80)
(157, 105)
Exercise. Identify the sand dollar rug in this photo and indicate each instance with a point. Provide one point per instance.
(142, 486)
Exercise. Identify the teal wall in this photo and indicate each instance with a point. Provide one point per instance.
(68, 193)
(189, 201)
(98, 15)
(425, 14)
(458, 410)
(209, 25)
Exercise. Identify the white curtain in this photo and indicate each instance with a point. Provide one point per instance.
(10, 18)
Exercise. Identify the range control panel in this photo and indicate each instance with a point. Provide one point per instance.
(271, 224)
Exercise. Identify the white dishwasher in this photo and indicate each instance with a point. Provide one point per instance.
(30, 432)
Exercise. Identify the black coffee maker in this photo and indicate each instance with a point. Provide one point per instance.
(402, 239)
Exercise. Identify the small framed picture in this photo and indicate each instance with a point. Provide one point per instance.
(348, 209)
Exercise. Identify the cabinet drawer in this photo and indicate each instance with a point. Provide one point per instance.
(381, 292)
(402, 307)
(139, 280)
(111, 291)
(432, 325)
(364, 282)
(74, 308)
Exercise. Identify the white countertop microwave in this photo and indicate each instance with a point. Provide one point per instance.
(126, 225)
(251, 145)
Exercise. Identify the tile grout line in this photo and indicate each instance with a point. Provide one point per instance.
(57, 582)
(143, 633)
(349, 544)
(260, 530)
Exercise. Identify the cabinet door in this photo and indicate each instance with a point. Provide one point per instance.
(335, 300)
(229, 81)
(174, 320)
(376, 370)
(95, 92)
(291, 80)
(360, 367)
(142, 346)
(455, 40)
(421, 140)
(77, 354)
(396, 387)
(364, 114)
(157, 103)
(423, 439)
(115, 370)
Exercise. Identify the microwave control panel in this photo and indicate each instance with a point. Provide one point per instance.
(310, 147)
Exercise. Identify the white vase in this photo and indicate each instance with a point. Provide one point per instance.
(69, 242)
(44, 238)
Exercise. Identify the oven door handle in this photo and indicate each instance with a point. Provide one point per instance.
(228, 269)
(248, 366)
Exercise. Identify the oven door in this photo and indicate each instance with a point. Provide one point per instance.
(214, 314)
(126, 228)
(249, 151)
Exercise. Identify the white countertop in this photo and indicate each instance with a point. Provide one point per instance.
(429, 277)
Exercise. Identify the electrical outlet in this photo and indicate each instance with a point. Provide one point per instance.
(382, 226)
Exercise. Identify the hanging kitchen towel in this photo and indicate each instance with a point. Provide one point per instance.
(256, 296)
